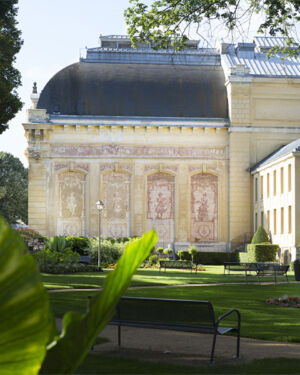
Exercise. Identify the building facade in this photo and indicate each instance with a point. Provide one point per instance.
(165, 139)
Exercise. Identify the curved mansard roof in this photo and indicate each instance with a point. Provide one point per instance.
(137, 89)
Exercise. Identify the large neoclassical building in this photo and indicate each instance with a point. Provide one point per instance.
(170, 140)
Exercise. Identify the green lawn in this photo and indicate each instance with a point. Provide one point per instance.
(259, 320)
(144, 277)
(101, 364)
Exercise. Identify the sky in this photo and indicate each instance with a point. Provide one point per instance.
(54, 33)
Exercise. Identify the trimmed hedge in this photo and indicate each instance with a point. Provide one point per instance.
(262, 252)
(243, 257)
(210, 258)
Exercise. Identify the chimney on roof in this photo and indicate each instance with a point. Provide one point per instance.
(245, 50)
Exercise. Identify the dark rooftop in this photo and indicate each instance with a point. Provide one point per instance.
(113, 89)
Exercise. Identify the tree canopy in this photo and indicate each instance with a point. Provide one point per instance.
(10, 78)
(13, 189)
(164, 22)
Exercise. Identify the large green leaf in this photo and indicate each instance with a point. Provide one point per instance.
(79, 332)
(24, 307)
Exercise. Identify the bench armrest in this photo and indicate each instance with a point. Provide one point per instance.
(228, 313)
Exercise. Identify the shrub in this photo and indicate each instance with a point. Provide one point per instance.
(57, 243)
(193, 252)
(153, 260)
(28, 233)
(211, 258)
(180, 253)
(50, 260)
(78, 244)
(110, 250)
(260, 236)
(168, 251)
(160, 250)
(262, 252)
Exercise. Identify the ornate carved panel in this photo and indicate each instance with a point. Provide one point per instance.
(113, 150)
(204, 207)
(117, 204)
(160, 213)
(71, 204)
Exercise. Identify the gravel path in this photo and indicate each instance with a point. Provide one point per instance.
(189, 348)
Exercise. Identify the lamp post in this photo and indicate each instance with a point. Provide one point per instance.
(100, 206)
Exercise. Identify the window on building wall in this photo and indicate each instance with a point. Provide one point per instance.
(268, 221)
(281, 181)
(255, 190)
(282, 220)
(262, 218)
(274, 220)
(274, 183)
(255, 222)
(290, 218)
(290, 177)
(268, 185)
(261, 187)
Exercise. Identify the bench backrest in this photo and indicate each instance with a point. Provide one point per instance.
(266, 268)
(165, 311)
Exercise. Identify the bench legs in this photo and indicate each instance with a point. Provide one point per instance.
(238, 339)
(119, 335)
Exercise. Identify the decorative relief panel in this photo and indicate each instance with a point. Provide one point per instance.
(71, 166)
(160, 196)
(80, 150)
(117, 204)
(159, 167)
(204, 207)
(71, 204)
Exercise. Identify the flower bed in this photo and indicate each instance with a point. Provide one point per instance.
(285, 301)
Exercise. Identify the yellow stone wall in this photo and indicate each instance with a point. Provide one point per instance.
(264, 114)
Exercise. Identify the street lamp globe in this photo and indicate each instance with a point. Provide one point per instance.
(100, 205)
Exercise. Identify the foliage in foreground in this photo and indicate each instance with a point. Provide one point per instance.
(163, 23)
(27, 328)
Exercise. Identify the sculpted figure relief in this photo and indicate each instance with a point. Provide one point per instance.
(204, 207)
(117, 198)
(161, 205)
(71, 202)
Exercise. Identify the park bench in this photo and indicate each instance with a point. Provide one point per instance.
(85, 259)
(172, 314)
(272, 269)
(176, 264)
(259, 269)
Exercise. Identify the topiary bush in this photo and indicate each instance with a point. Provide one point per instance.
(160, 250)
(153, 260)
(262, 252)
(260, 236)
